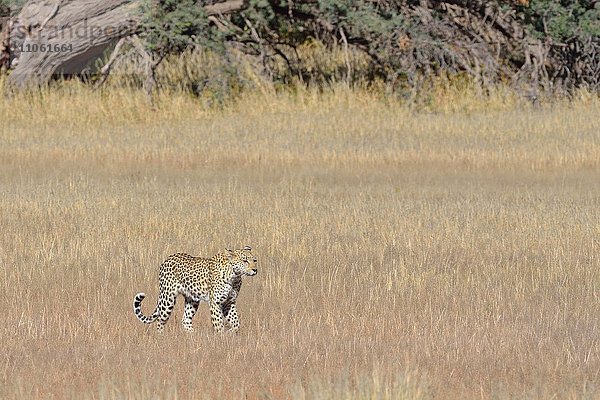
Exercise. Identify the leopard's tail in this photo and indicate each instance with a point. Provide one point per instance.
(137, 309)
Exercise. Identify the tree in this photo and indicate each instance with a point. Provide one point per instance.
(570, 31)
(88, 27)
(170, 27)
(539, 43)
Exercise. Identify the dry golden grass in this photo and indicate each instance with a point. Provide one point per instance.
(402, 255)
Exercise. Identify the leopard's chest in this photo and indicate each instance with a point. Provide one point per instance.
(227, 291)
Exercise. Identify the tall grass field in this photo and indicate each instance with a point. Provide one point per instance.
(451, 253)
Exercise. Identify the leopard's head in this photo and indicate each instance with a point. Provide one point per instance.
(244, 262)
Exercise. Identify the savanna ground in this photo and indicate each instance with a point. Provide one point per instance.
(447, 254)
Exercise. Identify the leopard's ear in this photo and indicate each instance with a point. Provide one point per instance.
(247, 248)
(230, 253)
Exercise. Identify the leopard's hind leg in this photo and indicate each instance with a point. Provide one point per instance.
(191, 307)
(165, 308)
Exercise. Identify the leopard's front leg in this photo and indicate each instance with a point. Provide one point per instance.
(231, 315)
(218, 298)
(216, 316)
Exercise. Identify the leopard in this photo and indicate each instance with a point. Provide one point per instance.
(216, 280)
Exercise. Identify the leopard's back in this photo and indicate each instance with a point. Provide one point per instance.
(186, 274)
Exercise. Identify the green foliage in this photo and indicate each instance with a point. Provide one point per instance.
(376, 27)
(172, 26)
(570, 30)
(563, 20)
(11, 6)
(404, 42)
(267, 18)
